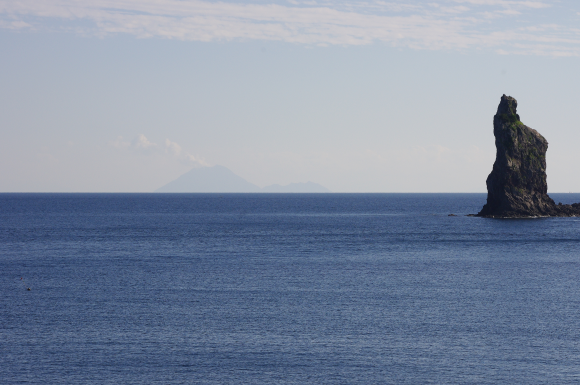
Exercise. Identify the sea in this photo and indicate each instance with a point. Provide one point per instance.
(285, 289)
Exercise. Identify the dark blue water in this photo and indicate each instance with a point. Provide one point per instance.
(284, 289)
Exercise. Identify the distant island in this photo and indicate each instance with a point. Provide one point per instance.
(517, 186)
(220, 179)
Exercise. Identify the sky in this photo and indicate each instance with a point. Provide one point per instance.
(359, 96)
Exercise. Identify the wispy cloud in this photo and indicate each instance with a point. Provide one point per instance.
(503, 3)
(172, 147)
(449, 24)
(120, 143)
(142, 142)
(144, 145)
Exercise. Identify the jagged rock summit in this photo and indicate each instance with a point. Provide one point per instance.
(517, 186)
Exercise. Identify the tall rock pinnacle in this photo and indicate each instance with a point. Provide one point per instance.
(517, 185)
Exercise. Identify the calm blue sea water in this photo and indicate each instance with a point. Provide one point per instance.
(284, 289)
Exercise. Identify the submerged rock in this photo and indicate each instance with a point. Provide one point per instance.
(517, 186)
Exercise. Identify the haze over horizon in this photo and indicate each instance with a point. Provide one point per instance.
(126, 96)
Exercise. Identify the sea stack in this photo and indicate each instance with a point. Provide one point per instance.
(517, 186)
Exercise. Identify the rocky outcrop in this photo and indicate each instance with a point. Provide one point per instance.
(517, 186)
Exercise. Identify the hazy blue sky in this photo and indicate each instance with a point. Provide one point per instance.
(374, 96)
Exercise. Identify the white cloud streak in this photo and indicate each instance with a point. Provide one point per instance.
(145, 146)
(503, 3)
(449, 25)
(142, 142)
(172, 147)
